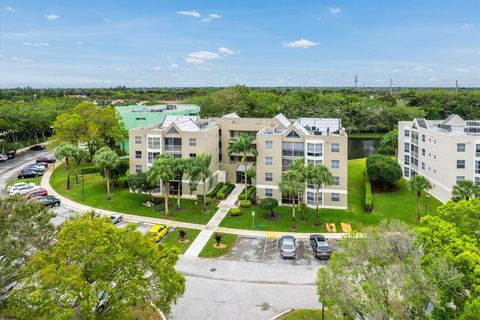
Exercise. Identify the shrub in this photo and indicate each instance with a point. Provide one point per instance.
(89, 170)
(182, 234)
(269, 204)
(208, 200)
(225, 191)
(214, 191)
(235, 212)
(251, 191)
(383, 169)
(245, 204)
(368, 206)
(220, 195)
(218, 238)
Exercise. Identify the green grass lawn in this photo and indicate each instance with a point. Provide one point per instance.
(400, 205)
(306, 314)
(172, 239)
(373, 135)
(209, 251)
(125, 201)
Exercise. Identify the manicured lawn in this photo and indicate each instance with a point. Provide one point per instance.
(400, 204)
(306, 314)
(209, 251)
(125, 201)
(172, 239)
(34, 180)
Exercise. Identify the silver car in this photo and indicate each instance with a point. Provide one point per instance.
(116, 218)
(288, 248)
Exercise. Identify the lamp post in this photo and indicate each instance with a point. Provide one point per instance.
(253, 218)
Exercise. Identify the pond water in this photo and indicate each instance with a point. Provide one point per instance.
(362, 147)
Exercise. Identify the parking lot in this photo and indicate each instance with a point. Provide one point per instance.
(267, 250)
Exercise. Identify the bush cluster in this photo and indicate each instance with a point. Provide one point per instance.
(213, 193)
(245, 204)
(235, 212)
(225, 191)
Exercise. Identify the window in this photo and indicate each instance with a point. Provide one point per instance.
(407, 133)
(335, 197)
(138, 168)
(192, 142)
(192, 155)
(293, 149)
(423, 152)
(406, 160)
(138, 139)
(138, 154)
(477, 181)
(460, 147)
(151, 156)
(268, 192)
(268, 176)
(335, 147)
(477, 150)
(154, 143)
(336, 181)
(406, 172)
(423, 138)
(311, 198)
(268, 145)
(477, 167)
(314, 162)
(172, 131)
(314, 149)
(335, 164)
(460, 178)
(268, 161)
(423, 165)
(460, 164)
(407, 147)
(293, 134)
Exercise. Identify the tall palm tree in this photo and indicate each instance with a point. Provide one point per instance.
(245, 146)
(199, 171)
(180, 166)
(466, 189)
(162, 171)
(319, 175)
(390, 139)
(66, 151)
(298, 165)
(106, 159)
(291, 184)
(419, 184)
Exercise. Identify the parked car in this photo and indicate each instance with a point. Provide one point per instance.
(49, 201)
(46, 159)
(37, 147)
(36, 193)
(3, 157)
(157, 232)
(320, 246)
(23, 190)
(288, 248)
(19, 185)
(35, 167)
(116, 218)
(29, 174)
(10, 154)
(45, 164)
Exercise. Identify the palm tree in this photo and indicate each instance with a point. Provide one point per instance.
(291, 184)
(419, 184)
(245, 146)
(465, 189)
(298, 165)
(319, 175)
(390, 139)
(106, 159)
(180, 166)
(162, 171)
(199, 171)
(66, 151)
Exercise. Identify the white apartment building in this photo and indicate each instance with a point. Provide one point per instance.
(443, 151)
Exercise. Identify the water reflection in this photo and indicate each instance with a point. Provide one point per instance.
(361, 147)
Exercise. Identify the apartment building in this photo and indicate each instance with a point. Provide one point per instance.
(444, 151)
(279, 142)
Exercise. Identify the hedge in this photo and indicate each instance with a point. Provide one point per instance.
(213, 192)
(225, 191)
(252, 194)
(235, 212)
(368, 206)
(89, 170)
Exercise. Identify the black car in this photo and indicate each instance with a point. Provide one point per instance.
(37, 147)
(49, 201)
(320, 246)
(10, 154)
(29, 174)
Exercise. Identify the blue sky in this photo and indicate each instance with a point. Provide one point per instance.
(256, 43)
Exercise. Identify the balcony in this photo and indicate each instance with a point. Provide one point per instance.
(173, 148)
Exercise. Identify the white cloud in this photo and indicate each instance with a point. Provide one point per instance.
(204, 55)
(192, 13)
(10, 9)
(462, 70)
(335, 10)
(396, 70)
(21, 59)
(301, 43)
(52, 16)
(225, 51)
(106, 19)
(36, 44)
(174, 66)
(467, 25)
(157, 68)
(196, 61)
(211, 17)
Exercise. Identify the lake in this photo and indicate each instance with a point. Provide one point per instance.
(362, 147)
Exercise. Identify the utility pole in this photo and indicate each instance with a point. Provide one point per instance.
(356, 81)
(391, 88)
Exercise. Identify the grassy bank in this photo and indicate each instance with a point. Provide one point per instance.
(209, 251)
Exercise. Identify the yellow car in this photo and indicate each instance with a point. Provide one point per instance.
(157, 232)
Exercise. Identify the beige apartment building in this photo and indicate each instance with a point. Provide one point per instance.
(279, 141)
(443, 151)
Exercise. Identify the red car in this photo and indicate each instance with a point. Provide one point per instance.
(46, 159)
(36, 193)
(38, 147)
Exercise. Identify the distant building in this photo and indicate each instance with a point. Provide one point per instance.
(139, 115)
(443, 151)
(279, 141)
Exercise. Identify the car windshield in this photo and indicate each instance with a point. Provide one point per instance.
(324, 248)
(288, 246)
(153, 234)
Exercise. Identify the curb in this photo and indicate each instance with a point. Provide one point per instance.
(281, 313)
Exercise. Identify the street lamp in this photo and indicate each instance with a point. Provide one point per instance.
(253, 218)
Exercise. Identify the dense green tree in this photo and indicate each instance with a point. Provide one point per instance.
(162, 171)
(419, 184)
(106, 159)
(390, 140)
(243, 144)
(465, 189)
(90, 257)
(67, 152)
(320, 176)
(25, 227)
(139, 182)
(269, 204)
(199, 171)
(78, 156)
(291, 185)
(383, 169)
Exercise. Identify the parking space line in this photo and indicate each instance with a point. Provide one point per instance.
(264, 248)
